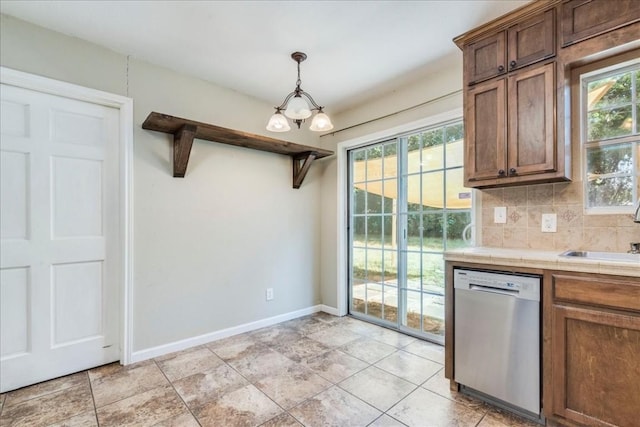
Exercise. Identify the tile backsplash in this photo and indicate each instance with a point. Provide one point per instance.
(575, 230)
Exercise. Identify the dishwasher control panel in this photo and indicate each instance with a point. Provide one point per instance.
(521, 286)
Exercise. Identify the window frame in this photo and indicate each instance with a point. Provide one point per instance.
(598, 71)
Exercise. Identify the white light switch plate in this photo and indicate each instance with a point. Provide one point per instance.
(500, 215)
(549, 223)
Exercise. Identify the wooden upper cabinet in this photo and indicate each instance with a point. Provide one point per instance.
(485, 132)
(532, 40)
(486, 58)
(510, 127)
(531, 142)
(529, 41)
(582, 19)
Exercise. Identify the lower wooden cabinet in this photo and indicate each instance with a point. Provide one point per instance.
(594, 350)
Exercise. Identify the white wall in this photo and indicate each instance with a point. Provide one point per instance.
(439, 80)
(206, 246)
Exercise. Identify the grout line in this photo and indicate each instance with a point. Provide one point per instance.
(93, 399)
(178, 394)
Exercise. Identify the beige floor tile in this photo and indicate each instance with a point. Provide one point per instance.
(378, 388)
(334, 336)
(301, 349)
(203, 387)
(368, 349)
(188, 362)
(440, 385)
(359, 327)
(335, 365)
(236, 347)
(261, 363)
(50, 408)
(246, 406)
(424, 408)
(326, 317)
(306, 325)
(183, 420)
(145, 409)
(334, 407)
(282, 420)
(428, 350)
(386, 421)
(44, 388)
(275, 335)
(393, 338)
(409, 366)
(2, 399)
(88, 419)
(114, 382)
(289, 388)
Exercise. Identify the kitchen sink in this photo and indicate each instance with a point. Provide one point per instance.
(604, 256)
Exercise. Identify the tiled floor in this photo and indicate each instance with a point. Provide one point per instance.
(318, 370)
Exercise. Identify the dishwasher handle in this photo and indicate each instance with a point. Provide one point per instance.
(491, 289)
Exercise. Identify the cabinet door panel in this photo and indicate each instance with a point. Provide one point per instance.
(485, 131)
(582, 19)
(596, 368)
(532, 40)
(532, 141)
(485, 58)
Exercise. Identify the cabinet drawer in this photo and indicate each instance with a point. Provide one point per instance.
(616, 294)
(582, 19)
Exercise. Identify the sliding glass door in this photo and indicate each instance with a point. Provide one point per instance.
(407, 206)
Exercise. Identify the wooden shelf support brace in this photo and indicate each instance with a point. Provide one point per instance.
(301, 164)
(182, 142)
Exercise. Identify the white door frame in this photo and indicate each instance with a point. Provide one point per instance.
(124, 104)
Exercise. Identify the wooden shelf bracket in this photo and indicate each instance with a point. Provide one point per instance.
(301, 164)
(182, 142)
(184, 131)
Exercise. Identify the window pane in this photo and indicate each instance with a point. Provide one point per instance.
(374, 199)
(359, 230)
(389, 230)
(414, 231)
(433, 273)
(414, 272)
(390, 193)
(413, 154)
(456, 222)
(374, 231)
(359, 198)
(374, 163)
(374, 300)
(358, 296)
(391, 303)
(390, 160)
(414, 184)
(454, 132)
(610, 91)
(433, 313)
(433, 189)
(609, 123)
(390, 267)
(609, 175)
(374, 265)
(433, 231)
(457, 196)
(455, 153)
(359, 264)
(359, 167)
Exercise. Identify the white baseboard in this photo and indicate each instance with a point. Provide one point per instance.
(149, 353)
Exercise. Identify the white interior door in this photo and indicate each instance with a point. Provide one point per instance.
(59, 220)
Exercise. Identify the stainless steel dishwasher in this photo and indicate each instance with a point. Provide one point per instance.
(497, 338)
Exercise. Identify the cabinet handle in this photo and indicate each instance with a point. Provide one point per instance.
(501, 172)
(512, 171)
(500, 68)
(513, 64)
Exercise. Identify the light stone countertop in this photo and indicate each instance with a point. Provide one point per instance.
(549, 260)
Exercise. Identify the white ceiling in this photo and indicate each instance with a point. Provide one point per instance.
(356, 49)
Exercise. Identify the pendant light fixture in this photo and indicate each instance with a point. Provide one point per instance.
(296, 108)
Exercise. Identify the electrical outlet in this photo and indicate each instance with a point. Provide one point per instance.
(500, 215)
(549, 223)
(269, 294)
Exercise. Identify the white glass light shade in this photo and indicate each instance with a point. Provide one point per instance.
(278, 123)
(297, 108)
(321, 122)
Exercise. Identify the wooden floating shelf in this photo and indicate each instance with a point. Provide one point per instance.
(184, 131)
